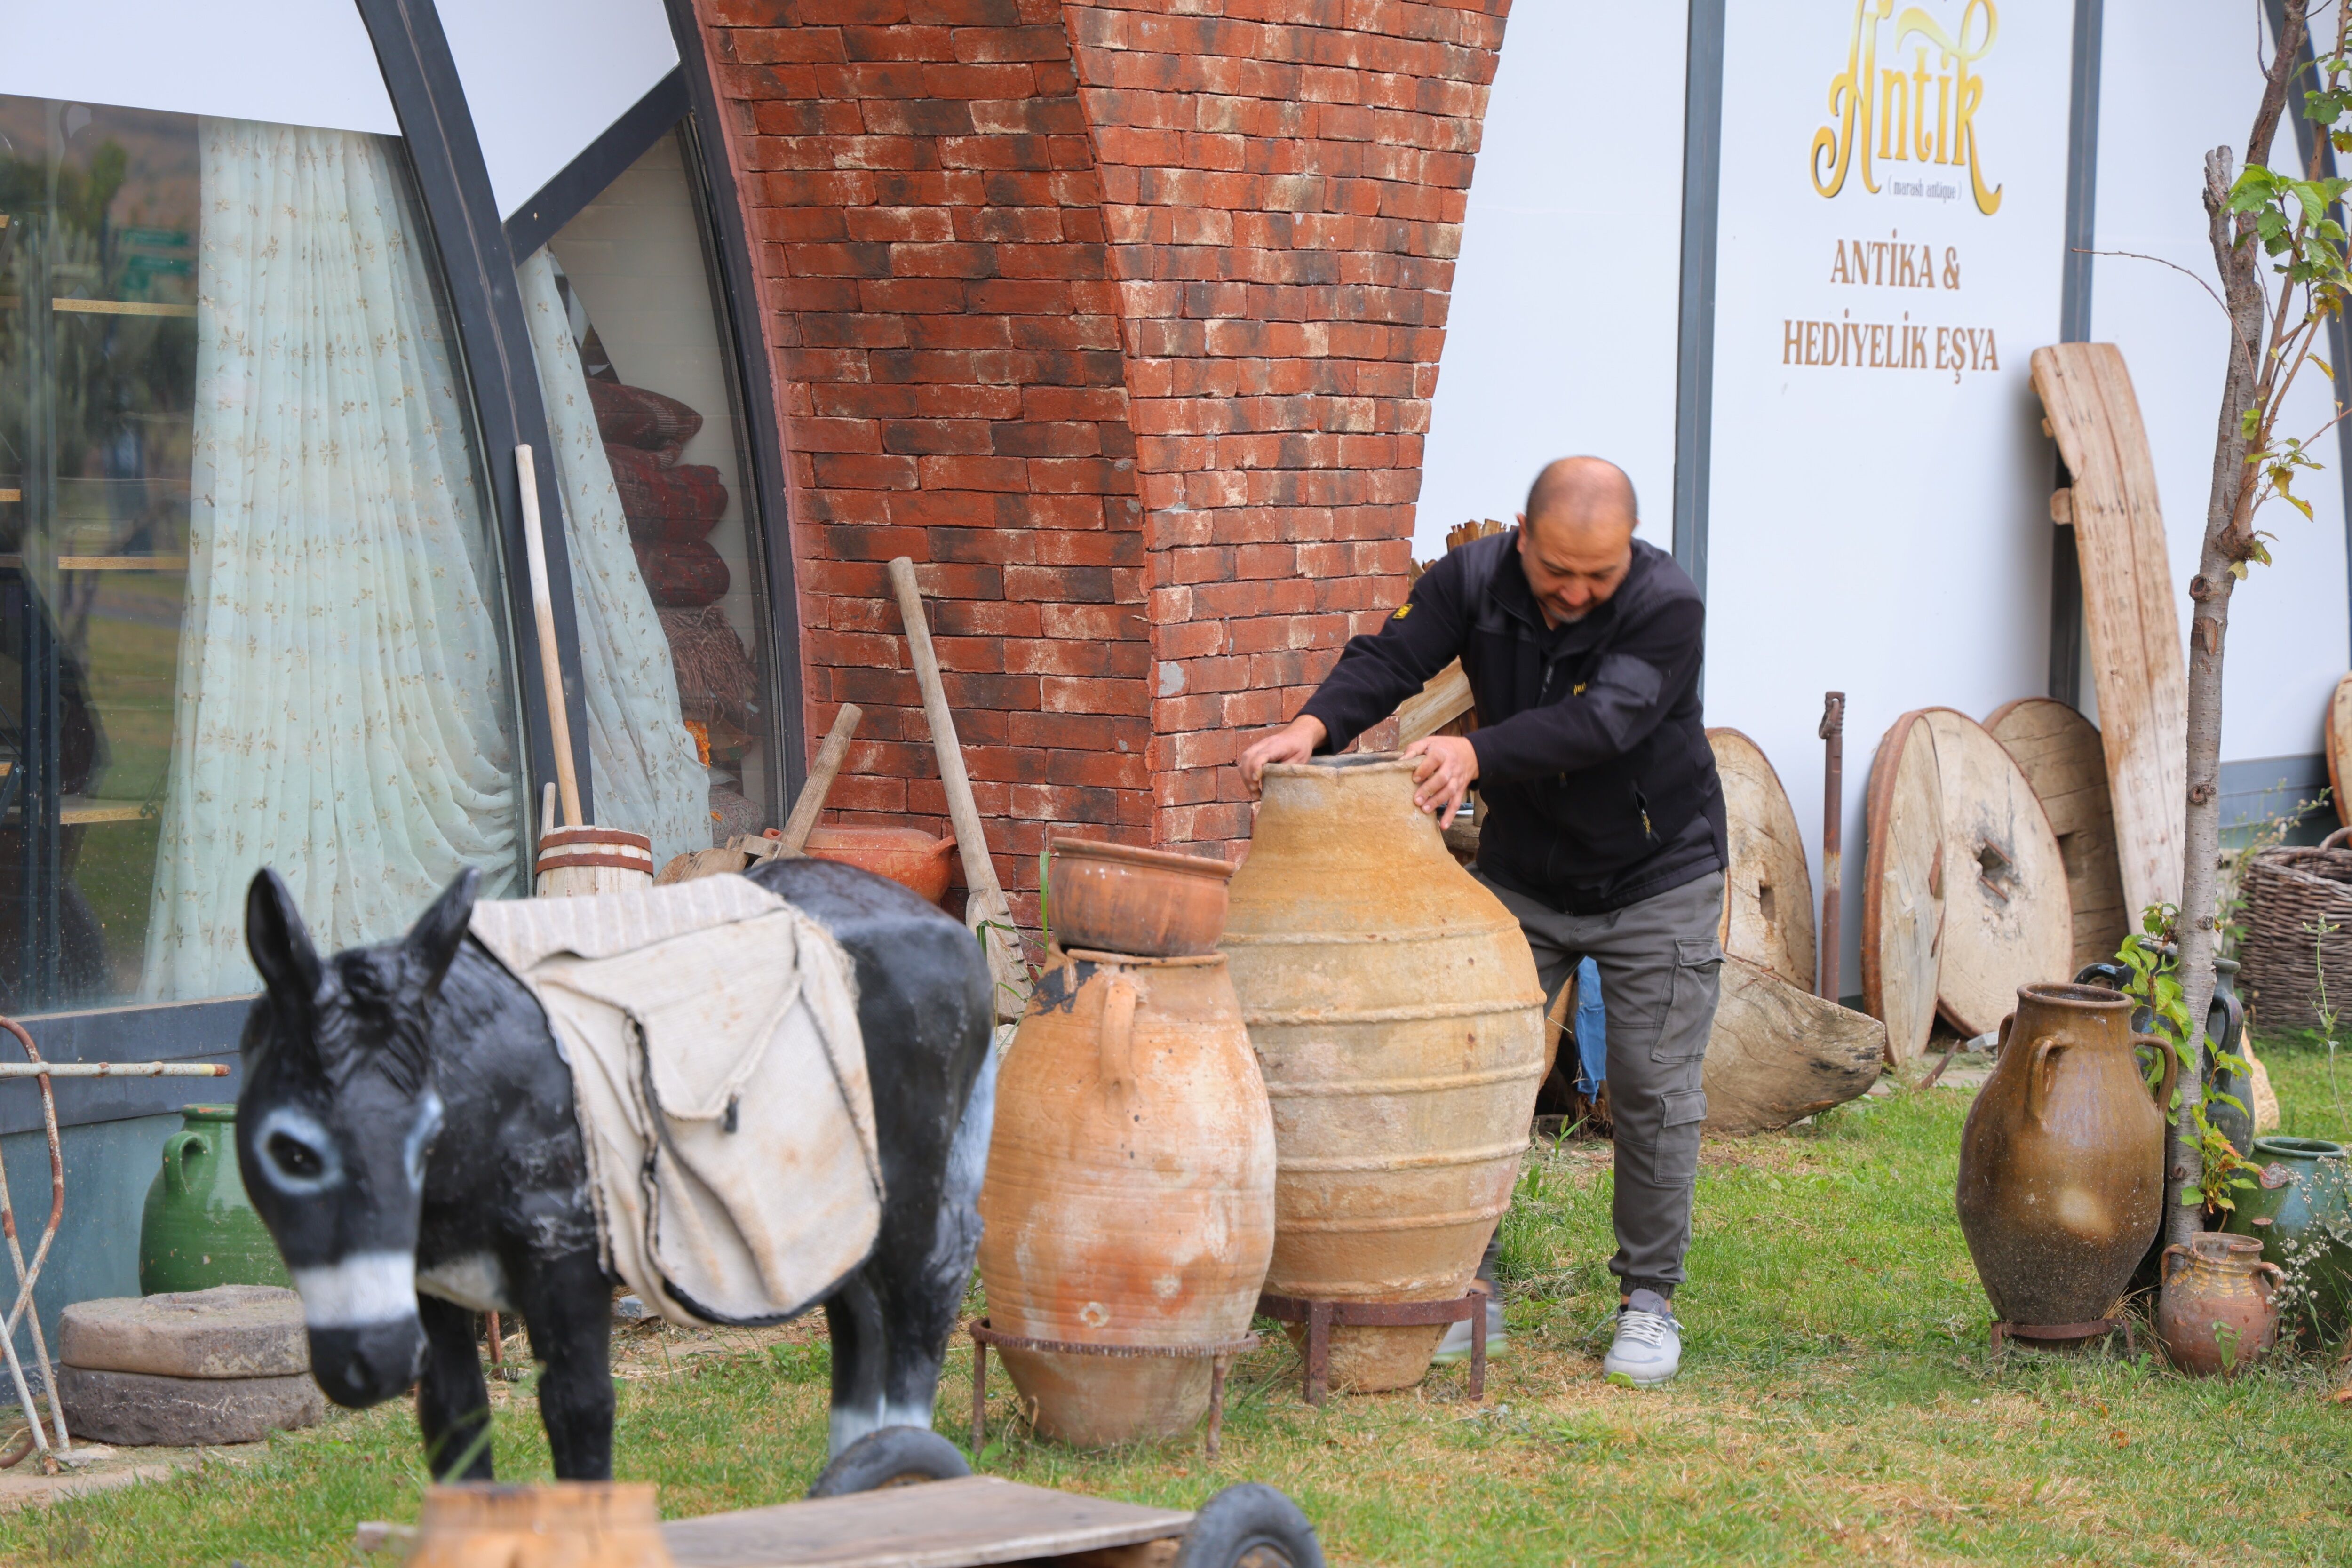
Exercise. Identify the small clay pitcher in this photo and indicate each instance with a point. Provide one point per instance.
(198, 1228)
(2220, 1307)
(2300, 1210)
(2061, 1162)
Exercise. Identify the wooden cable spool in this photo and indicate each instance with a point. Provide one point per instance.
(2062, 756)
(1767, 894)
(1903, 888)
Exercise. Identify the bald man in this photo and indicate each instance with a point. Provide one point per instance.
(1602, 827)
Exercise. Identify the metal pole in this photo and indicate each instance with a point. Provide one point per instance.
(1832, 732)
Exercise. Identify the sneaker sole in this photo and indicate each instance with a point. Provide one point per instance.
(1627, 1380)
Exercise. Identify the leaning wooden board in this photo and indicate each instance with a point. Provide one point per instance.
(2129, 609)
(2339, 748)
(2009, 920)
(2059, 753)
(943, 1525)
(1767, 894)
(1903, 888)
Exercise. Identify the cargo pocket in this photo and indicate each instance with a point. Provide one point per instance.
(1676, 1160)
(1690, 1004)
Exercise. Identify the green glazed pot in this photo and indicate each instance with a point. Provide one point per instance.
(199, 1229)
(2301, 1209)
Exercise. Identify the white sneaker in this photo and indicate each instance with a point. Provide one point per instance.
(1648, 1349)
(1456, 1346)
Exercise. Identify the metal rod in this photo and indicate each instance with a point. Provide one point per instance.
(1832, 732)
(26, 1277)
(110, 1069)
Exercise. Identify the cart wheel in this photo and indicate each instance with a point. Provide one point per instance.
(1249, 1526)
(891, 1457)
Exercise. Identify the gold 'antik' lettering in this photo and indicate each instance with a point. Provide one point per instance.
(1886, 112)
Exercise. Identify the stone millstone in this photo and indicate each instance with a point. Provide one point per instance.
(135, 1410)
(227, 1331)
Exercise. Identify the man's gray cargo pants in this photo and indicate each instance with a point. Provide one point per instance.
(1661, 970)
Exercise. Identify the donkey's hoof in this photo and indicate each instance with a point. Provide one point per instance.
(891, 1457)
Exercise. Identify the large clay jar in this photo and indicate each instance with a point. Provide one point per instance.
(2061, 1162)
(2300, 1209)
(199, 1229)
(1395, 1009)
(1129, 1195)
(2219, 1312)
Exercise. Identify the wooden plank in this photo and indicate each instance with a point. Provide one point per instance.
(1778, 1054)
(2339, 748)
(2062, 757)
(1444, 699)
(2129, 610)
(1903, 888)
(960, 1523)
(1768, 893)
(2009, 920)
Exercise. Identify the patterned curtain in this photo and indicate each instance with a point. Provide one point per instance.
(341, 709)
(648, 773)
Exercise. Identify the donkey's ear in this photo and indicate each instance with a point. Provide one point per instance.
(439, 932)
(274, 936)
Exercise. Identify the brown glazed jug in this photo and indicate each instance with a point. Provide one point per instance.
(1129, 1193)
(2061, 1162)
(2219, 1308)
(1394, 1007)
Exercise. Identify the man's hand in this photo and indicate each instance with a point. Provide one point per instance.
(1294, 742)
(1448, 765)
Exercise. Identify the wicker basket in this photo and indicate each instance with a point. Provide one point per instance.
(2298, 928)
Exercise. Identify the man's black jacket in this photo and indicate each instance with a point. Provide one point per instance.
(1594, 771)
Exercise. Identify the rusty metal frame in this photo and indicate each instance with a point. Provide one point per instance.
(1219, 1354)
(1322, 1317)
(2063, 1333)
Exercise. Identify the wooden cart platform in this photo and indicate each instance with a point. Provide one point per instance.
(963, 1523)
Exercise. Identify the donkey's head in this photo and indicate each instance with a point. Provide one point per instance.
(336, 1116)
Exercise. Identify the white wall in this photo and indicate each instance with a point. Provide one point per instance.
(2183, 77)
(299, 62)
(545, 77)
(1560, 337)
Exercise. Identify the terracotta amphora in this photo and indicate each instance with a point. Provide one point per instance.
(1130, 1194)
(2219, 1308)
(1395, 1009)
(2061, 1162)
(550, 1524)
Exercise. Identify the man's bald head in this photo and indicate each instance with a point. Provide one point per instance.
(1584, 495)
(1577, 543)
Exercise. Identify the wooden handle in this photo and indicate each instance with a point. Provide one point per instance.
(828, 767)
(543, 609)
(987, 895)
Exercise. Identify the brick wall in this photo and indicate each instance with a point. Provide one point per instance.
(1122, 320)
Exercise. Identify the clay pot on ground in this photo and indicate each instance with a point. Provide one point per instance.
(546, 1524)
(2219, 1312)
(1396, 1013)
(918, 862)
(1109, 898)
(198, 1228)
(2300, 1210)
(2061, 1160)
(1129, 1195)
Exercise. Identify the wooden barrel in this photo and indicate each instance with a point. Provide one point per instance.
(549, 1524)
(1129, 1196)
(576, 861)
(1398, 1020)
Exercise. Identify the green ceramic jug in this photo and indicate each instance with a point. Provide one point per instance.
(2301, 1209)
(199, 1229)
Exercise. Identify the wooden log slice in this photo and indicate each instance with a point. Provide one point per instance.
(2063, 760)
(2339, 747)
(2009, 920)
(1903, 888)
(1778, 1054)
(1767, 894)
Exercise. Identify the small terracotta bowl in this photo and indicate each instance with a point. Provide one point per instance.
(1146, 902)
(909, 856)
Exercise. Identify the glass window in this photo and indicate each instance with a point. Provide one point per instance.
(667, 565)
(249, 602)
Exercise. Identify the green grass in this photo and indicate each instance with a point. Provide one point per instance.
(1839, 1404)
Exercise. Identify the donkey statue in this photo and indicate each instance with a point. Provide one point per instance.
(406, 1130)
